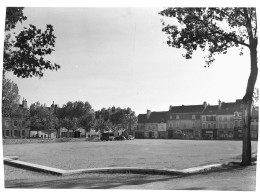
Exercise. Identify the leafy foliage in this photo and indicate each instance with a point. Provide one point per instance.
(10, 97)
(212, 29)
(24, 56)
(76, 114)
(41, 117)
(112, 118)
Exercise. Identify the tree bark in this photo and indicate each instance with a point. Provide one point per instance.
(247, 110)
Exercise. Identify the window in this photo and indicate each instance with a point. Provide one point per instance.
(15, 123)
(225, 125)
(177, 117)
(23, 132)
(177, 124)
(193, 116)
(203, 118)
(6, 132)
(240, 123)
(18, 134)
(15, 132)
(209, 125)
(214, 125)
(7, 123)
(203, 126)
(236, 123)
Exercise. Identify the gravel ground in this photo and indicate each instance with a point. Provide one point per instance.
(175, 154)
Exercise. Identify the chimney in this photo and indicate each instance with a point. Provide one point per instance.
(52, 106)
(205, 104)
(219, 104)
(170, 107)
(24, 103)
(148, 113)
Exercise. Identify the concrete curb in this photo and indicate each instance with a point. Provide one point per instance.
(30, 166)
(136, 170)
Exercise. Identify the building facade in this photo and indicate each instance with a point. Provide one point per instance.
(222, 121)
(183, 122)
(17, 125)
(151, 125)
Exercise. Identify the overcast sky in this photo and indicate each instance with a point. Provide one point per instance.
(117, 57)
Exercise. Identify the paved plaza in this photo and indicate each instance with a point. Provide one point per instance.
(149, 153)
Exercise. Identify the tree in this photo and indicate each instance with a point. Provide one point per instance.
(216, 30)
(10, 97)
(41, 117)
(76, 114)
(24, 55)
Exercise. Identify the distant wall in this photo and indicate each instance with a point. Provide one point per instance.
(39, 140)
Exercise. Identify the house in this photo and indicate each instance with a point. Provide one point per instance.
(64, 132)
(151, 125)
(184, 121)
(237, 120)
(78, 133)
(17, 124)
(254, 124)
(225, 120)
(45, 134)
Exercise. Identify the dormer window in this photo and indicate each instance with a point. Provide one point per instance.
(193, 116)
(177, 117)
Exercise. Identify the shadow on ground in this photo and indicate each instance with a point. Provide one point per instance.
(96, 181)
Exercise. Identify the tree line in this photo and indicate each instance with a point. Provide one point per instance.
(72, 115)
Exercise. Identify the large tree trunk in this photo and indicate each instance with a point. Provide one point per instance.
(247, 110)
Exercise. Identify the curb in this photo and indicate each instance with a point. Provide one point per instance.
(30, 166)
(135, 170)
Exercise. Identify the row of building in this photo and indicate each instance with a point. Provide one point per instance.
(222, 121)
(18, 127)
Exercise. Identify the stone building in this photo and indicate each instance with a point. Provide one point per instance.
(151, 125)
(184, 121)
(17, 124)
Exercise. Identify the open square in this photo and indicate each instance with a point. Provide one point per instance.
(171, 154)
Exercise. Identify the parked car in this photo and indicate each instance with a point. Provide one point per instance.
(130, 137)
(107, 136)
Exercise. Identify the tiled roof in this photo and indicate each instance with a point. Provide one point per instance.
(155, 117)
(228, 108)
(211, 110)
(186, 109)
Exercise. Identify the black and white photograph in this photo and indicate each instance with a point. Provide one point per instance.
(145, 96)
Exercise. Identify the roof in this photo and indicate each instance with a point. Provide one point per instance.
(186, 109)
(227, 108)
(185, 116)
(155, 117)
(211, 110)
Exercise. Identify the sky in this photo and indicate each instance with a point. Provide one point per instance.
(118, 57)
